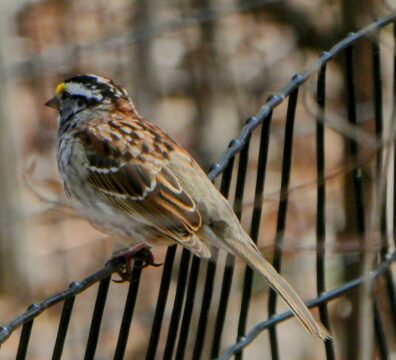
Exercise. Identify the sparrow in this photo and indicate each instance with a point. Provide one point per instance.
(134, 182)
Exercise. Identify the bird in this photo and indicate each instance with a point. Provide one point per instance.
(132, 181)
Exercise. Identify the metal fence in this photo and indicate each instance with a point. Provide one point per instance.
(234, 162)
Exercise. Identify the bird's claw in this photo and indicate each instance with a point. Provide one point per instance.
(139, 252)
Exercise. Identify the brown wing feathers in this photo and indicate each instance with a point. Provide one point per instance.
(128, 179)
(122, 181)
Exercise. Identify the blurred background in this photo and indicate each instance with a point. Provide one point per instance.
(197, 69)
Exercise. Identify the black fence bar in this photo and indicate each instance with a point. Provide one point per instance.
(321, 206)
(282, 210)
(161, 303)
(241, 179)
(223, 304)
(97, 318)
(188, 308)
(62, 329)
(205, 306)
(392, 296)
(128, 310)
(240, 185)
(227, 275)
(380, 335)
(356, 197)
(256, 219)
(210, 277)
(229, 267)
(177, 305)
(378, 106)
(380, 338)
(24, 340)
(353, 145)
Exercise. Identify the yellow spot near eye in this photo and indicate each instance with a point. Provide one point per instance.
(60, 88)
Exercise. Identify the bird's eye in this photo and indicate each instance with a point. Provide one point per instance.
(65, 95)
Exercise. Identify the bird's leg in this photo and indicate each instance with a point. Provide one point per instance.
(140, 251)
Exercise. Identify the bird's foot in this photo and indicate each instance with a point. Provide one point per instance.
(140, 252)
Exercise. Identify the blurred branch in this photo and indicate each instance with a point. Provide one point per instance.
(53, 185)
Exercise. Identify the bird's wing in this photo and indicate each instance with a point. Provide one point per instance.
(128, 162)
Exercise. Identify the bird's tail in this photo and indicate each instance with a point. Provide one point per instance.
(256, 261)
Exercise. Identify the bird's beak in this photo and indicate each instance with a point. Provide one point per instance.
(53, 103)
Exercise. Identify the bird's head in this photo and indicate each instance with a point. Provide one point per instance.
(85, 91)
